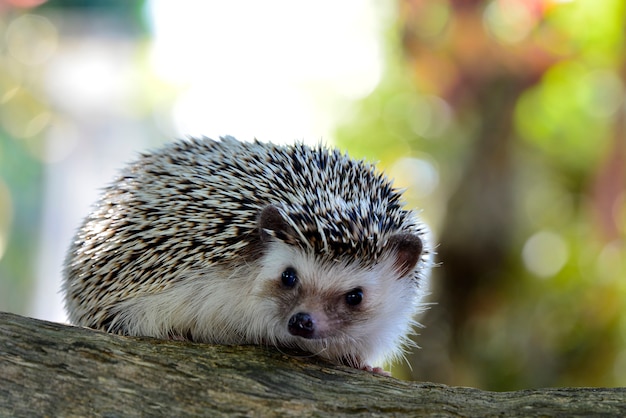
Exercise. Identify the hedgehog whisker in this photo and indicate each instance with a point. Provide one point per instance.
(305, 354)
(406, 361)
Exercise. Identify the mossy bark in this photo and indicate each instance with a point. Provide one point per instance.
(49, 369)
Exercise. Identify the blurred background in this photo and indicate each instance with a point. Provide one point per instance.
(504, 119)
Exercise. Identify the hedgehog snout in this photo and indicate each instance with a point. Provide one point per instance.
(302, 325)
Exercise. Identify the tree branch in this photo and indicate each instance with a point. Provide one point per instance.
(49, 369)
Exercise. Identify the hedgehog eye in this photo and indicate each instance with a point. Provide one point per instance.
(289, 277)
(354, 297)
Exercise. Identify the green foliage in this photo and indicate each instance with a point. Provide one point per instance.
(559, 116)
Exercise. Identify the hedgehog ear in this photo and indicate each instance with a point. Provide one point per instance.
(273, 225)
(407, 249)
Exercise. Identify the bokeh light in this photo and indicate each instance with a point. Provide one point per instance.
(31, 39)
(545, 254)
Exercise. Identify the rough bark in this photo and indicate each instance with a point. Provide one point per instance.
(49, 369)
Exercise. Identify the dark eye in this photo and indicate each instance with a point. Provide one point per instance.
(354, 297)
(289, 277)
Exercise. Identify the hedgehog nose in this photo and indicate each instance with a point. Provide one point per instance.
(302, 325)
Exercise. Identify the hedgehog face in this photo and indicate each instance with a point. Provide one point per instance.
(346, 312)
(349, 310)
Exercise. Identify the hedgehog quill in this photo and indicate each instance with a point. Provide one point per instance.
(230, 242)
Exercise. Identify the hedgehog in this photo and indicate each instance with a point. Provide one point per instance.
(229, 242)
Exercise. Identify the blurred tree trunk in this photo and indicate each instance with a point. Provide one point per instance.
(484, 82)
(476, 239)
(54, 370)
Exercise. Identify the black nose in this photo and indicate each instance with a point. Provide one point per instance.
(302, 325)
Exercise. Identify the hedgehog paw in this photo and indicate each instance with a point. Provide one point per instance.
(376, 370)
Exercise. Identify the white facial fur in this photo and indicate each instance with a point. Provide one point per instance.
(254, 307)
(373, 331)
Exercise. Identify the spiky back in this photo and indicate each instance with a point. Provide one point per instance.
(336, 205)
(197, 201)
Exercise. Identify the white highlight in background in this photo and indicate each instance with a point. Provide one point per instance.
(277, 70)
(545, 253)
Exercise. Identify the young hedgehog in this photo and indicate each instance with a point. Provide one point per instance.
(251, 243)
